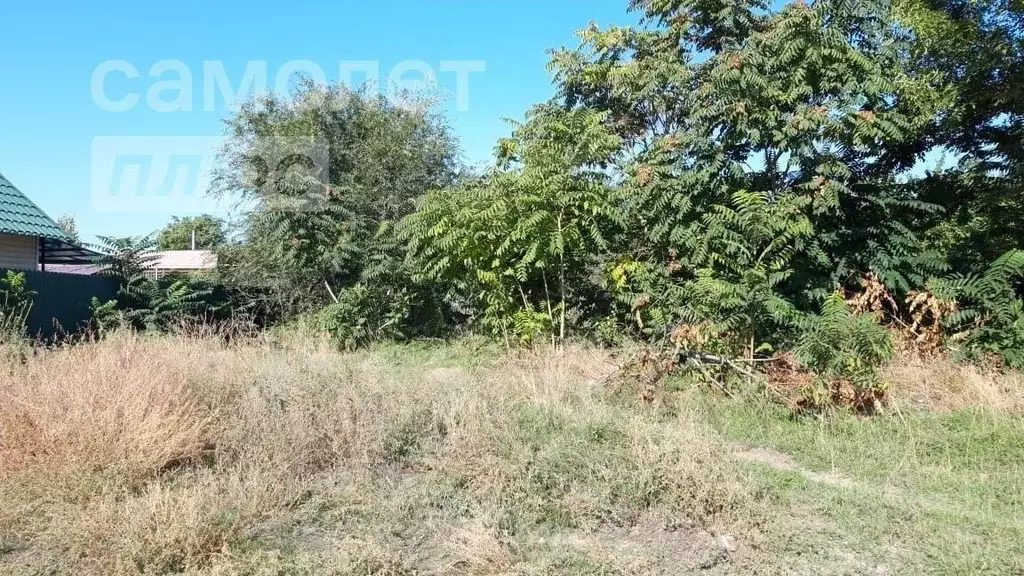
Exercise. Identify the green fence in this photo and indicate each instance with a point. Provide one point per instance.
(61, 303)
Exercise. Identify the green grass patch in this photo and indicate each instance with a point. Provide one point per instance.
(943, 491)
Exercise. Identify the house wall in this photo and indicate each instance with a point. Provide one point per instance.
(19, 252)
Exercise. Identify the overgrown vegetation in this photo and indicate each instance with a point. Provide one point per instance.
(161, 454)
(15, 305)
(145, 301)
(720, 168)
(844, 349)
(761, 178)
(326, 170)
(990, 314)
(813, 202)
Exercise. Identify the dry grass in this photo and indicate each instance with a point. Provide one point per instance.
(938, 384)
(101, 407)
(174, 455)
(144, 455)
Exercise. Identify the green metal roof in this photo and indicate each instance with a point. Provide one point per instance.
(19, 215)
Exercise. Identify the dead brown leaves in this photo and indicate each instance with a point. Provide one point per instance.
(927, 313)
(917, 324)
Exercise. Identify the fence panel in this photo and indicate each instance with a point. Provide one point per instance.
(61, 303)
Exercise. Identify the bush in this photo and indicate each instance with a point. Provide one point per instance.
(362, 315)
(105, 316)
(990, 318)
(15, 303)
(147, 303)
(844, 350)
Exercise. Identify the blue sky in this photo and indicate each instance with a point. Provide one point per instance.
(49, 118)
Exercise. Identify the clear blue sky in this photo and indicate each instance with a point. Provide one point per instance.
(49, 118)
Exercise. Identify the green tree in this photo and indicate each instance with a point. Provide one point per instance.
(323, 170)
(126, 257)
(810, 105)
(745, 252)
(70, 227)
(517, 242)
(144, 302)
(975, 52)
(207, 232)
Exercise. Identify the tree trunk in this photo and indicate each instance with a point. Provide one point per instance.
(561, 281)
(547, 297)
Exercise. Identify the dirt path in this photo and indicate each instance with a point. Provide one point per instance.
(899, 496)
(781, 461)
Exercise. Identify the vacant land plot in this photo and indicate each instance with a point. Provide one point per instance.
(171, 455)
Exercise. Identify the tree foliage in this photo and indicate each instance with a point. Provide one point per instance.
(517, 242)
(990, 318)
(70, 227)
(744, 255)
(727, 168)
(322, 170)
(145, 302)
(809, 102)
(975, 51)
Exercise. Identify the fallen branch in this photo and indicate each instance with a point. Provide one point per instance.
(758, 360)
(696, 359)
(706, 357)
(711, 378)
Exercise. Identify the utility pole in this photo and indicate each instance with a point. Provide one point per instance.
(193, 239)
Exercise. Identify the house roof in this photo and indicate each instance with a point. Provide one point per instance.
(76, 269)
(20, 216)
(61, 252)
(184, 260)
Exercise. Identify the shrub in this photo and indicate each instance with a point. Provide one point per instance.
(147, 303)
(15, 303)
(844, 350)
(163, 303)
(363, 314)
(990, 318)
(529, 325)
(105, 316)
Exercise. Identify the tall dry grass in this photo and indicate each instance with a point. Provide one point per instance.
(99, 407)
(166, 455)
(942, 385)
